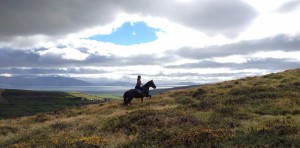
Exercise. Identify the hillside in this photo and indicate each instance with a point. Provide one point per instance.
(251, 112)
(17, 103)
(40, 81)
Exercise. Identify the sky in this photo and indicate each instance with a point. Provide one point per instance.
(169, 41)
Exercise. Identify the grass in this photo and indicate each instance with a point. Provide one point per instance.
(17, 103)
(251, 112)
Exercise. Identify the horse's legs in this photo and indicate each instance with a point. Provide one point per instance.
(129, 100)
(150, 96)
(142, 99)
(126, 101)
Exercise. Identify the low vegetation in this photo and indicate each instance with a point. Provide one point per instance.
(251, 112)
(16, 103)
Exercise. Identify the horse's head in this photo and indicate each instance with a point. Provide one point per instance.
(150, 84)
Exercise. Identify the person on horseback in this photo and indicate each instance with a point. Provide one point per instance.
(138, 85)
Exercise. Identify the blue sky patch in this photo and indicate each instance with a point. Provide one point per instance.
(129, 34)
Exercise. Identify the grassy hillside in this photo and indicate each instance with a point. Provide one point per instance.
(256, 111)
(16, 103)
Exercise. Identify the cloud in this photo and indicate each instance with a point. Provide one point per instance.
(11, 58)
(201, 40)
(273, 64)
(71, 57)
(58, 18)
(21, 58)
(216, 17)
(32, 17)
(32, 71)
(65, 53)
(211, 17)
(280, 42)
(289, 6)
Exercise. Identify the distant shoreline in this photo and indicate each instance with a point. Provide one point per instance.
(94, 90)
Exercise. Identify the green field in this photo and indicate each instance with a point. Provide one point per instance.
(259, 111)
(16, 103)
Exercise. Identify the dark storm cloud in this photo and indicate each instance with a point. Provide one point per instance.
(210, 16)
(60, 17)
(10, 58)
(49, 71)
(31, 17)
(19, 58)
(280, 42)
(289, 6)
(97, 60)
(214, 16)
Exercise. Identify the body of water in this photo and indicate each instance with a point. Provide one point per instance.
(117, 90)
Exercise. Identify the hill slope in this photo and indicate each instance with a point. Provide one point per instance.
(16, 103)
(256, 111)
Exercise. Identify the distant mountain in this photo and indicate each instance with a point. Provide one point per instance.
(122, 83)
(119, 83)
(41, 81)
(188, 83)
(177, 83)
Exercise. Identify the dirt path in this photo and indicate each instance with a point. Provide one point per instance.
(2, 99)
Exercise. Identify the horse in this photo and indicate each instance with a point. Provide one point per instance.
(133, 93)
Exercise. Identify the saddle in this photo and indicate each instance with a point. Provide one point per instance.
(139, 91)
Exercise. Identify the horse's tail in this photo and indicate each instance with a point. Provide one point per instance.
(125, 98)
(128, 96)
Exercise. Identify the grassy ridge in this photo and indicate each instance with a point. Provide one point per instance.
(16, 103)
(254, 111)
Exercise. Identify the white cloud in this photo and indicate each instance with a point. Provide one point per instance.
(271, 24)
(215, 40)
(65, 53)
(293, 56)
(238, 59)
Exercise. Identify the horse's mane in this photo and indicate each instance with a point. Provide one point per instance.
(147, 83)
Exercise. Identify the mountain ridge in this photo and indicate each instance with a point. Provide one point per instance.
(41, 81)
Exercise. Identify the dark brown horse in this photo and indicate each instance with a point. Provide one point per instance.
(133, 93)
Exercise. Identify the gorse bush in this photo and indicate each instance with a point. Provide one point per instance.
(205, 136)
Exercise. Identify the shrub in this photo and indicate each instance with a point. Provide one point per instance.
(200, 136)
(67, 140)
(273, 133)
(184, 100)
(59, 126)
(41, 118)
(198, 94)
(296, 112)
(203, 105)
(4, 130)
(296, 83)
(273, 76)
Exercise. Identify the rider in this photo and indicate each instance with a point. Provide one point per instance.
(138, 85)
